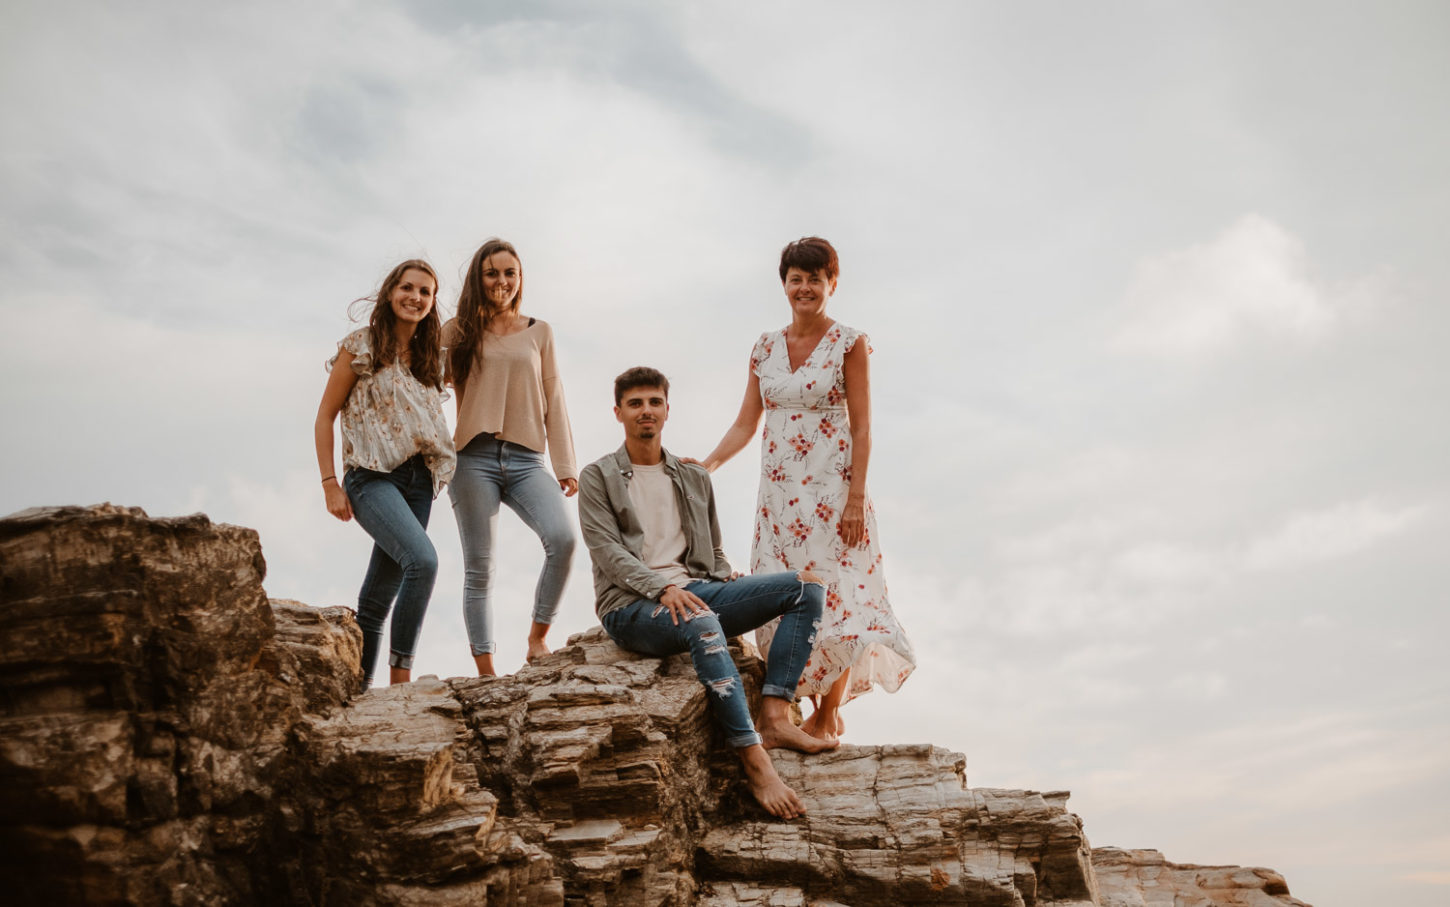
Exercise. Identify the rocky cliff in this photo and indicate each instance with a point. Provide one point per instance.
(171, 736)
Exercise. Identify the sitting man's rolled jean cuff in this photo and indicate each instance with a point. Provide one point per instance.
(776, 692)
(745, 740)
(398, 660)
(487, 648)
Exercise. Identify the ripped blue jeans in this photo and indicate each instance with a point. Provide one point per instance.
(740, 605)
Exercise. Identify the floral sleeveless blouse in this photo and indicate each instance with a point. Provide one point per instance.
(390, 415)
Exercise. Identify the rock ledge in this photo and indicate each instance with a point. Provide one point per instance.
(170, 735)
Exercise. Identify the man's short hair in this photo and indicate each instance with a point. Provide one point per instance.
(640, 376)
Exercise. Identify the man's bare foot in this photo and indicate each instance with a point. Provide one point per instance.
(783, 734)
(765, 785)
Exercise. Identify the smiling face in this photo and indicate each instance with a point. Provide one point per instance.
(807, 291)
(412, 299)
(503, 277)
(643, 411)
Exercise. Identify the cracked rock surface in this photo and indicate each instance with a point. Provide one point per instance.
(169, 735)
(1142, 878)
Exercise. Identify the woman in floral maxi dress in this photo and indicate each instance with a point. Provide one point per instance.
(811, 382)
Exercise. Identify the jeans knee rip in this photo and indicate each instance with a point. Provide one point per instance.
(724, 687)
(807, 578)
(715, 649)
(656, 611)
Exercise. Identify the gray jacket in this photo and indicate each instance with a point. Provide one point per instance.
(616, 540)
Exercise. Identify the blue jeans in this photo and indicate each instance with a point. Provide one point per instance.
(491, 472)
(740, 605)
(393, 508)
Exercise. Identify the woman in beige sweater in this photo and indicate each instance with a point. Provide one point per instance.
(510, 403)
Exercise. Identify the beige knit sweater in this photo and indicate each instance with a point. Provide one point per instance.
(514, 391)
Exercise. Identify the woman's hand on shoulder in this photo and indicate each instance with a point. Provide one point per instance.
(570, 487)
(337, 503)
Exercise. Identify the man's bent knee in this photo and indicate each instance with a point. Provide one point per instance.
(706, 628)
(812, 596)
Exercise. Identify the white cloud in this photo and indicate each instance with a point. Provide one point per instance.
(1342, 751)
(1202, 686)
(1165, 562)
(1254, 279)
(1334, 532)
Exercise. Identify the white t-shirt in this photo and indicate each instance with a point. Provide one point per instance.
(653, 496)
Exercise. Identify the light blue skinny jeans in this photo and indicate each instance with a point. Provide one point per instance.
(393, 508)
(740, 605)
(491, 472)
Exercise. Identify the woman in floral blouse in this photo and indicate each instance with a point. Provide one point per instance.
(396, 454)
(811, 381)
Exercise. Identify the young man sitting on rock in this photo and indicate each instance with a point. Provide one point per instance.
(662, 584)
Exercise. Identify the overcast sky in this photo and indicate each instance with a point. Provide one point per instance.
(1158, 294)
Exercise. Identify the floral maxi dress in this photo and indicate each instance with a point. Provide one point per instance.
(805, 474)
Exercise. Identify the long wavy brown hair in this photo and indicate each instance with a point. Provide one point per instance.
(476, 311)
(424, 359)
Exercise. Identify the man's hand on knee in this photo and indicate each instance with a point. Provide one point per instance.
(682, 604)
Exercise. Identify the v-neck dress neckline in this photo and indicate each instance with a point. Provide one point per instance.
(809, 356)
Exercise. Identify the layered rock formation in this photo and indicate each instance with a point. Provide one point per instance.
(171, 736)
(1142, 878)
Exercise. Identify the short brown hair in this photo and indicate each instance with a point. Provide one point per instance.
(810, 254)
(640, 376)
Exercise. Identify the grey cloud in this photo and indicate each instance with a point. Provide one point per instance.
(636, 46)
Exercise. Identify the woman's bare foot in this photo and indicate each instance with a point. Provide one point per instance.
(788, 736)
(821, 719)
(537, 647)
(814, 726)
(765, 785)
(776, 730)
(826, 721)
(485, 666)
